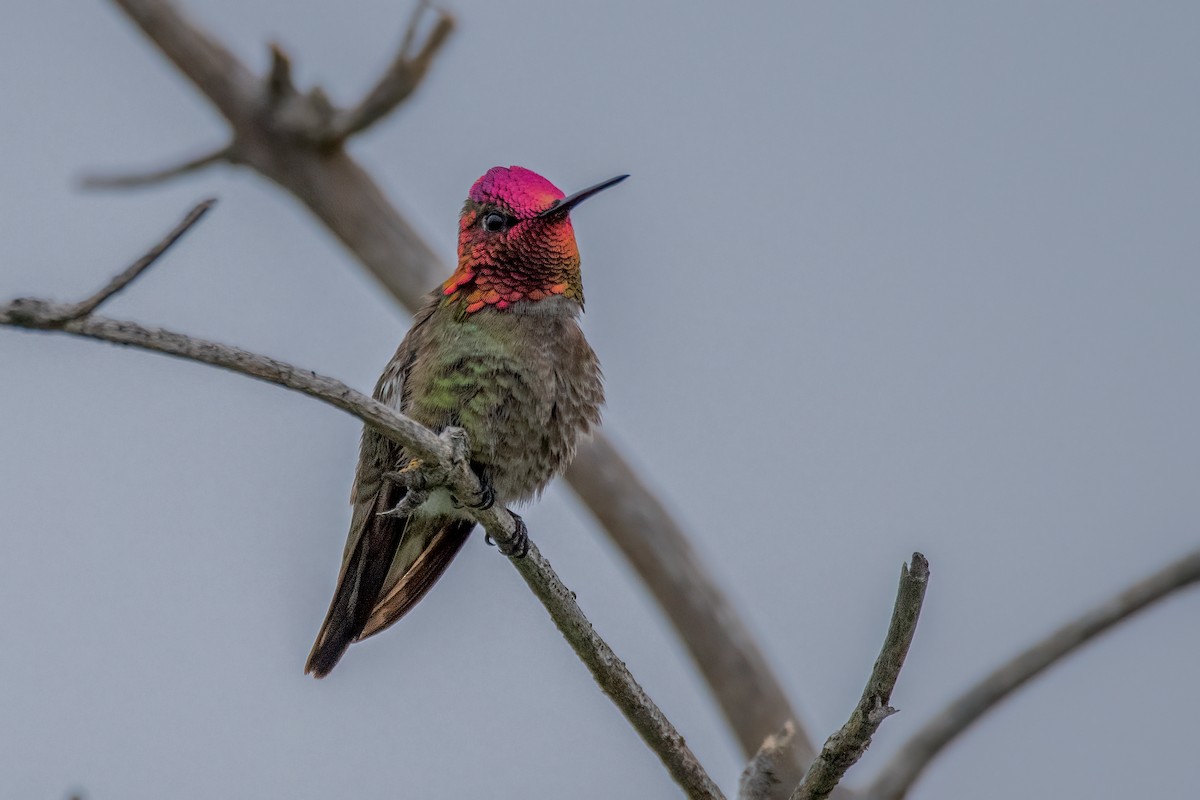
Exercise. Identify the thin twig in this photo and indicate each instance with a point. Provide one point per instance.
(447, 461)
(131, 273)
(760, 779)
(399, 80)
(139, 179)
(846, 747)
(410, 30)
(353, 207)
(898, 777)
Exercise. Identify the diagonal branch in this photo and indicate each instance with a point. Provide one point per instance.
(287, 142)
(447, 463)
(131, 273)
(846, 747)
(898, 777)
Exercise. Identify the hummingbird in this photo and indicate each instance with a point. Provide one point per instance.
(496, 350)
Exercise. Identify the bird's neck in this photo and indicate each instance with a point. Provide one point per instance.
(475, 286)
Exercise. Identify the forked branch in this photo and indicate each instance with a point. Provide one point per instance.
(907, 765)
(400, 79)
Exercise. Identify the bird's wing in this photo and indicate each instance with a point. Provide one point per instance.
(374, 541)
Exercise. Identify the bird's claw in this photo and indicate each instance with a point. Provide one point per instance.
(486, 499)
(518, 547)
(407, 505)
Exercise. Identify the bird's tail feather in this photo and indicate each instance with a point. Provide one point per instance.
(391, 566)
(363, 573)
(418, 576)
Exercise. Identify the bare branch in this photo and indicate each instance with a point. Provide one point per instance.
(898, 777)
(447, 462)
(846, 747)
(131, 273)
(345, 198)
(399, 80)
(760, 780)
(137, 180)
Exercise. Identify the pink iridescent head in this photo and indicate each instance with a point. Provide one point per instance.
(515, 241)
(520, 191)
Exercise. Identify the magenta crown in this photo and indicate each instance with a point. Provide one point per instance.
(520, 190)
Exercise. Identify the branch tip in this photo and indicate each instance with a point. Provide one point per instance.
(764, 774)
(918, 568)
(279, 78)
(410, 30)
(845, 747)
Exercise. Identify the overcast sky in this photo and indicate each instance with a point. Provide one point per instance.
(887, 277)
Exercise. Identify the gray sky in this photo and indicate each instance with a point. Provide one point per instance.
(886, 277)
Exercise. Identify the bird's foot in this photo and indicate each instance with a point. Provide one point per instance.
(413, 479)
(485, 499)
(407, 505)
(411, 476)
(519, 546)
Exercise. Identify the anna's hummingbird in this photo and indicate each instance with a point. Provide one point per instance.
(496, 350)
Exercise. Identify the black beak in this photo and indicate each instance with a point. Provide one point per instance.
(564, 206)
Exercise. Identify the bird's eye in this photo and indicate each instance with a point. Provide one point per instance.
(494, 222)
